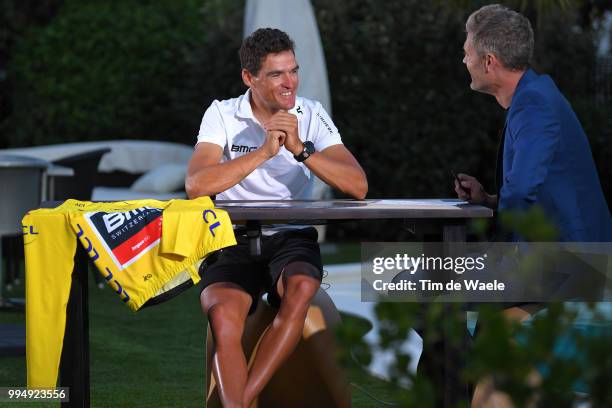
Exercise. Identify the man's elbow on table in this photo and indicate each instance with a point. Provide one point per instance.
(195, 189)
(358, 189)
(191, 189)
(362, 190)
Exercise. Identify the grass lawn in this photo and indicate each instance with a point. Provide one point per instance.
(155, 358)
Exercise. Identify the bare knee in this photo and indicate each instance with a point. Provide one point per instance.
(299, 292)
(226, 308)
(302, 286)
(225, 323)
(226, 293)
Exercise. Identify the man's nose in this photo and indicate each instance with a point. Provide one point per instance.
(288, 80)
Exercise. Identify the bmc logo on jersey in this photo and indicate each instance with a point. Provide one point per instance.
(242, 149)
(127, 235)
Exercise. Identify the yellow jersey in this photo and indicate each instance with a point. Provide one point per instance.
(143, 248)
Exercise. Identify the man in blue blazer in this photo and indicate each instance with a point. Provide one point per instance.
(545, 158)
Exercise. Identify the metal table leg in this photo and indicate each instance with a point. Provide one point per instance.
(454, 237)
(254, 236)
(74, 364)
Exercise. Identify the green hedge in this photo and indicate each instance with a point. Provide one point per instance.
(401, 95)
(111, 70)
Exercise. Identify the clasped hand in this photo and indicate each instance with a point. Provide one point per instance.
(287, 124)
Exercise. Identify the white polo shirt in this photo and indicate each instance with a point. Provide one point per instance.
(231, 125)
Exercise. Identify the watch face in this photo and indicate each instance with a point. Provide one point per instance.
(308, 148)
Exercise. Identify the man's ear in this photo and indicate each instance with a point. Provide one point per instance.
(491, 61)
(247, 77)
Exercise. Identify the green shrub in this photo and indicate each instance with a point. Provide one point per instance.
(112, 70)
(569, 354)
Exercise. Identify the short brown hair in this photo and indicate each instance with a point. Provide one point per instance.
(259, 44)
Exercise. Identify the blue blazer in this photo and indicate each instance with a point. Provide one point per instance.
(547, 161)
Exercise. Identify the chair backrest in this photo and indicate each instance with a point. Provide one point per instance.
(21, 190)
(85, 166)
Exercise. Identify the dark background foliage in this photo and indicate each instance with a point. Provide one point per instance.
(114, 70)
(86, 70)
(401, 96)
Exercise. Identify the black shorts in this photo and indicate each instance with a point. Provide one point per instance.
(259, 274)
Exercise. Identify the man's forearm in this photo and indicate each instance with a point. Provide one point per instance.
(217, 178)
(345, 176)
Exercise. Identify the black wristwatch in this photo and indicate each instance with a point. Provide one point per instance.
(309, 149)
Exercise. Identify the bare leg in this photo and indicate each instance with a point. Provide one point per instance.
(227, 306)
(282, 336)
(319, 337)
(485, 394)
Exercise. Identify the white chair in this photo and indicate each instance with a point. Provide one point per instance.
(22, 187)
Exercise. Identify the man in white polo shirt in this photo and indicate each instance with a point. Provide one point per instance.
(266, 144)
